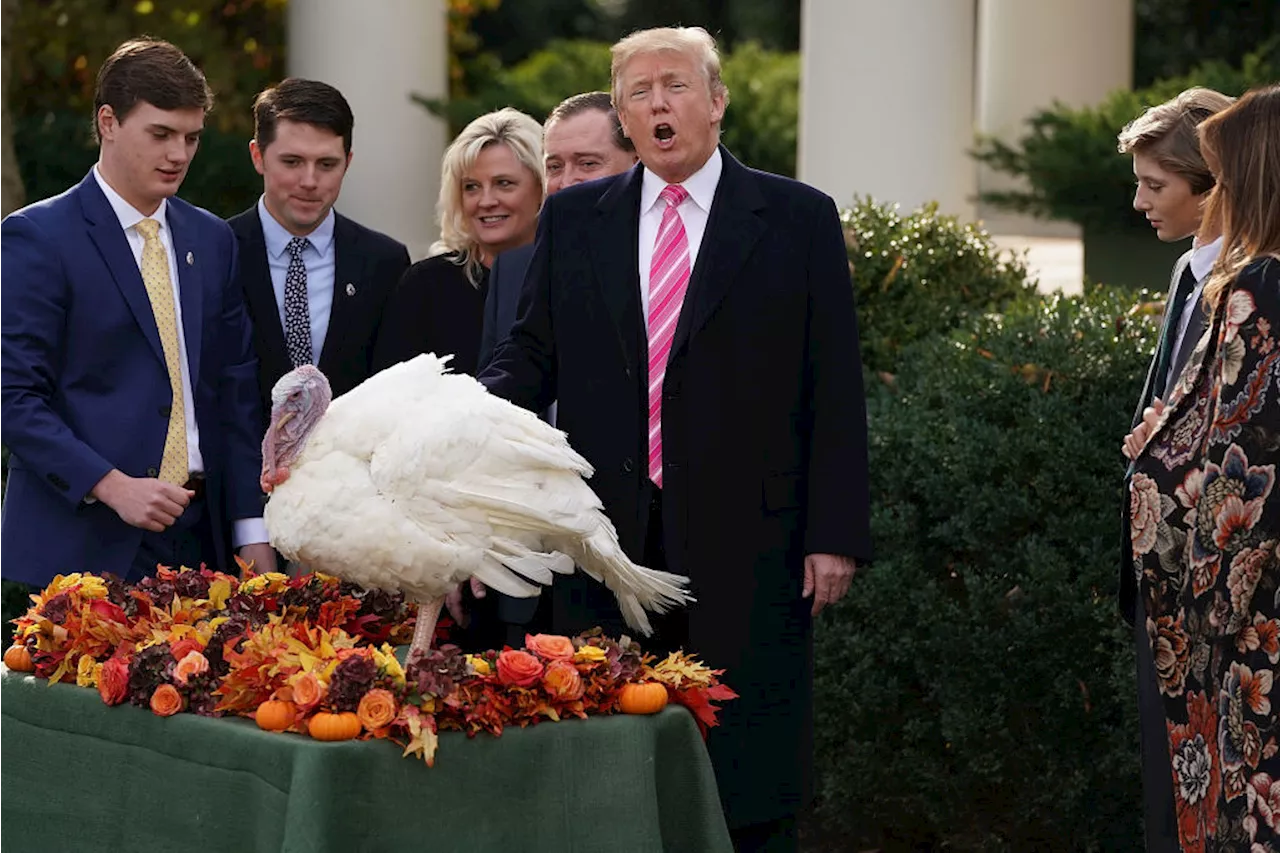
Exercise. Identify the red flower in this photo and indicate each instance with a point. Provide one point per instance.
(563, 681)
(519, 669)
(113, 683)
(181, 648)
(1196, 781)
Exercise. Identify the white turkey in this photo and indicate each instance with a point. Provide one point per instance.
(419, 479)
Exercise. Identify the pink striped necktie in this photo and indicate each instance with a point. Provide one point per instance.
(668, 280)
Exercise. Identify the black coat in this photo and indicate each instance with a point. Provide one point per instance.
(764, 432)
(367, 265)
(436, 309)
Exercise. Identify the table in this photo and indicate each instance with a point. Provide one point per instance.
(78, 775)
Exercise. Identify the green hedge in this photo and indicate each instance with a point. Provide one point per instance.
(759, 128)
(1068, 156)
(975, 688)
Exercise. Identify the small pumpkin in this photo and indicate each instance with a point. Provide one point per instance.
(275, 715)
(647, 697)
(18, 659)
(341, 726)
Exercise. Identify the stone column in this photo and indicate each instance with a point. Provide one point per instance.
(1031, 54)
(379, 54)
(886, 101)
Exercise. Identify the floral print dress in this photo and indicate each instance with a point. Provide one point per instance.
(1205, 523)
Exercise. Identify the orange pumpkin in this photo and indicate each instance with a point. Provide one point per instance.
(648, 697)
(18, 659)
(342, 726)
(275, 715)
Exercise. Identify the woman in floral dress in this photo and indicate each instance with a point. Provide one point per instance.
(1205, 511)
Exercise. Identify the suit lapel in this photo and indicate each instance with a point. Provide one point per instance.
(733, 228)
(255, 275)
(348, 268)
(106, 233)
(615, 256)
(189, 259)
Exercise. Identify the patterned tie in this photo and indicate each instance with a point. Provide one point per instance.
(297, 308)
(668, 280)
(155, 275)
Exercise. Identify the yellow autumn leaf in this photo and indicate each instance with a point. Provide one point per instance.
(219, 592)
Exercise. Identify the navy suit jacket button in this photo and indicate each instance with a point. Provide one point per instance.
(628, 466)
(153, 472)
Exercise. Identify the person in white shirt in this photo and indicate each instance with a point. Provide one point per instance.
(1173, 184)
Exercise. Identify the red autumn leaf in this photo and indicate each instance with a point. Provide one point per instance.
(104, 609)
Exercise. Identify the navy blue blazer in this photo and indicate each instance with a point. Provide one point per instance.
(85, 388)
(506, 278)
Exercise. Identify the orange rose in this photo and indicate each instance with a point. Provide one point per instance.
(562, 681)
(519, 669)
(549, 646)
(377, 709)
(307, 691)
(193, 663)
(180, 649)
(113, 681)
(166, 701)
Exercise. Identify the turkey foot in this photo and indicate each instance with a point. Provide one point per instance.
(425, 629)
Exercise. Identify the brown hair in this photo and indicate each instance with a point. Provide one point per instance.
(151, 70)
(1242, 147)
(304, 101)
(1167, 133)
(586, 102)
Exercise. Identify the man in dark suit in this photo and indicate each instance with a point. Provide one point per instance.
(1173, 183)
(695, 321)
(129, 394)
(582, 140)
(315, 282)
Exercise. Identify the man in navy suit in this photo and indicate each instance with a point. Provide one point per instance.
(694, 320)
(130, 397)
(582, 140)
(342, 273)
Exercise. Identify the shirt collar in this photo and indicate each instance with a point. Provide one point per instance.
(701, 185)
(1203, 258)
(277, 237)
(128, 215)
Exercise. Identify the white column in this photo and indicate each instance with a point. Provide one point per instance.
(1031, 54)
(378, 54)
(886, 101)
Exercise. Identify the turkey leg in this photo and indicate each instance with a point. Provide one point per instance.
(425, 629)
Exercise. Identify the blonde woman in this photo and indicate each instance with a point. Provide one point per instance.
(491, 188)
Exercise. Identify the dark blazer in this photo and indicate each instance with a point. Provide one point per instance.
(1152, 387)
(86, 390)
(506, 278)
(764, 432)
(435, 308)
(367, 265)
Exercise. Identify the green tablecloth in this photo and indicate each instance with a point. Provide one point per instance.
(80, 776)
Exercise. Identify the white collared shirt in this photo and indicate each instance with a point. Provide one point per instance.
(1201, 264)
(694, 211)
(129, 218)
(246, 531)
(321, 263)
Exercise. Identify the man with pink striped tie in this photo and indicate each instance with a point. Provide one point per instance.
(695, 320)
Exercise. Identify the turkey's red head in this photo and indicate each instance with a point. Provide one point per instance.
(298, 401)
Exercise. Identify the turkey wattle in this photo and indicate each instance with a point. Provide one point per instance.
(419, 479)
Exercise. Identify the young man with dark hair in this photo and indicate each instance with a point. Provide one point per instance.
(315, 282)
(129, 382)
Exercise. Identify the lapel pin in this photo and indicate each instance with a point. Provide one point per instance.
(191, 259)
(351, 289)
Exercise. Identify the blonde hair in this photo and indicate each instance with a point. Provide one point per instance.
(693, 42)
(1167, 134)
(1242, 147)
(509, 127)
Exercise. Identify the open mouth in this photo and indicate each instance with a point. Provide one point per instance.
(664, 135)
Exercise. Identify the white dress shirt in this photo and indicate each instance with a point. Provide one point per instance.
(694, 211)
(246, 530)
(319, 258)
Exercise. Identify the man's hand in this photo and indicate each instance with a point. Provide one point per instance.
(453, 601)
(1136, 440)
(261, 554)
(827, 578)
(271, 479)
(142, 501)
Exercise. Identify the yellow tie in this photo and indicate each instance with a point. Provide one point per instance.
(155, 275)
